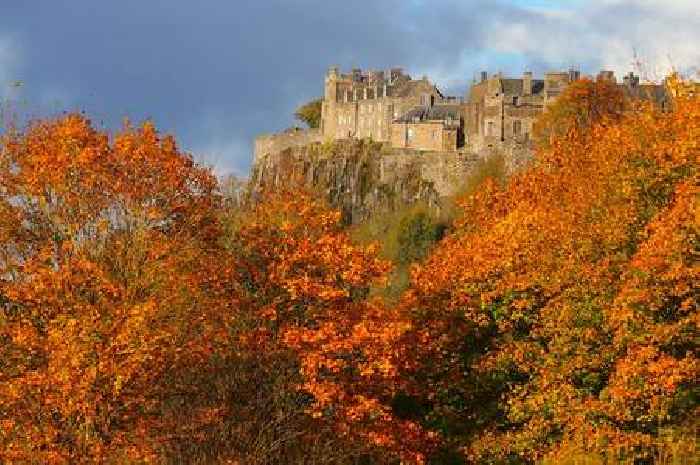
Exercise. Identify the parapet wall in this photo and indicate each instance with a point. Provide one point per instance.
(274, 143)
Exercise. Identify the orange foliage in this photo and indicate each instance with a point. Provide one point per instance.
(563, 309)
(311, 285)
(560, 314)
(108, 286)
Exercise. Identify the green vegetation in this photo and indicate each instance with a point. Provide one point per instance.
(408, 234)
(310, 113)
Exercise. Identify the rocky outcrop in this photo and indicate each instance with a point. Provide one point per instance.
(362, 177)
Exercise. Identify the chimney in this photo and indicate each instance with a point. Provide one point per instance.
(630, 80)
(484, 76)
(574, 75)
(394, 74)
(607, 76)
(527, 83)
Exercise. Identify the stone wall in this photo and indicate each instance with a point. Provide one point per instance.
(361, 178)
(424, 135)
(267, 144)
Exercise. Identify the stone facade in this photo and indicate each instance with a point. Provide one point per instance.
(437, 127)
(500, 112)
(365, 105)
(267, 144)
(391, 107)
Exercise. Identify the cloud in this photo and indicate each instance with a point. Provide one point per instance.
(612, 34)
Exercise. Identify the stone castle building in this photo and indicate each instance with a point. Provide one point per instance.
(375, 105)
(501, 111)
(498, 112)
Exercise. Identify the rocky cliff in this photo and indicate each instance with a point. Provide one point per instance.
(363, 177)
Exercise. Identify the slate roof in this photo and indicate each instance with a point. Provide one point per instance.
(434, 113)
(408, 88)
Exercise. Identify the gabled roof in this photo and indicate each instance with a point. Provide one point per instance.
(413, 87)
(433, 113)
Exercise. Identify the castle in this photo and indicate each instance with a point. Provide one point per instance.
(391, 107)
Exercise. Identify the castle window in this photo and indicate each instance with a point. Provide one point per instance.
(489, 128)
(411, 134)
(515, 101)
(517, 127)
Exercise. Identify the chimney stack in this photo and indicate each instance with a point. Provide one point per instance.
(630, 80)
(527, 83)
(574, 74)
(607, 76)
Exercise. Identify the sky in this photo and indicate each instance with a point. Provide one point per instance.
(215, 73)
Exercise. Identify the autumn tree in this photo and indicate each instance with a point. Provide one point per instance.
(311, 285)
(110, 292)
(561, 312)
(310, 113)
(584, 104)
(139, 325)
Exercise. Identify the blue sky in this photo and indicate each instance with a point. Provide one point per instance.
(215, 73)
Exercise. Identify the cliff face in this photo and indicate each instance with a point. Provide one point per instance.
(360, 177)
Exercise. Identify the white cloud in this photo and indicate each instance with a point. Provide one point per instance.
(606, 33)
(224, 156)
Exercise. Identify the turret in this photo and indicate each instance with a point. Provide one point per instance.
(630, 80)
(331, 87)
(330, 99)
(494, 85)
(527, 83)
(607, 76)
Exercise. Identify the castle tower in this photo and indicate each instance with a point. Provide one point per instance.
(527, 83)
(329, 106)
